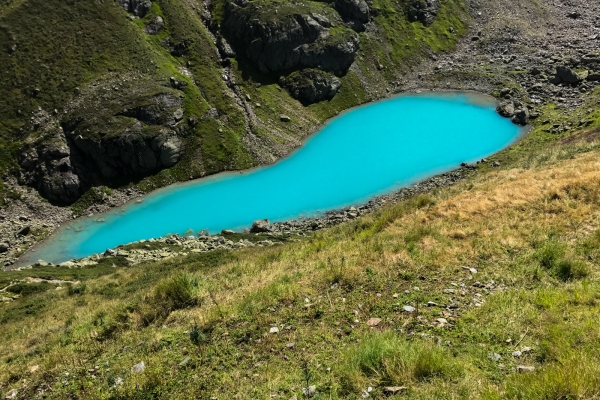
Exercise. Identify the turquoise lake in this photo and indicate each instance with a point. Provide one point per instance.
(362, 153)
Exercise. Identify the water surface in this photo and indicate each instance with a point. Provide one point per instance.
(365, 152)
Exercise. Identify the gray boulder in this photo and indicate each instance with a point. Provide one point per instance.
(423, 11)
(311, 85)
(155, 26)
(261, 226)
(506, 109)
(354, 10)
(567, 75)
(593, 76)
(24, 231)
(521, 117)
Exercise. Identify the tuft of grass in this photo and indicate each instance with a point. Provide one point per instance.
(551, 256)
(76, 289)
(176, 293)
(387, 359)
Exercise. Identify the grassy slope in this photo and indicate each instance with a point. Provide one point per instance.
(530, 228)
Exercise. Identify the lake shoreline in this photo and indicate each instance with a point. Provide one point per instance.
(332, 216)
(288, 228)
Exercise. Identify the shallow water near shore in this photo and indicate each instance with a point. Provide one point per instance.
(364, 152)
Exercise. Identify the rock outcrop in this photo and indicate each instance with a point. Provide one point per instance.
(566, 75)
(518, 113)
(291, 40)
(423, 11)
(155, 26)
(139, 8)
(46, 162)
(311, 85)
(85, 148)
(354, 12)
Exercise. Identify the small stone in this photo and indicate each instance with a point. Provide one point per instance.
(227, 231)
(309, 391)
(34, 368)
(24, 231)
(523, 369)
(373, 321)
(184, 362)
(395, 295)
(442, 321)
(471, 270)
(178, 114)
(290, 345)
(394, 389)
(495, 356)
(138, 368)
(409, 309)
(431, 304)
(284, 118)
(526, 349)
(3, 247)
(449, 291)
(274, 330)
(517, 354)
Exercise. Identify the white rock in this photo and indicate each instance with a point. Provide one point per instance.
(138, 368)
(525, 369)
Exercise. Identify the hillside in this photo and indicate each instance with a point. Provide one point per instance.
(488, 289)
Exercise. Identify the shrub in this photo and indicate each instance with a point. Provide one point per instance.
(177, 293)
(570, 269)
(173, 294)
(550, 253)
(551, 256)
(391, 360)
(76, 289)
